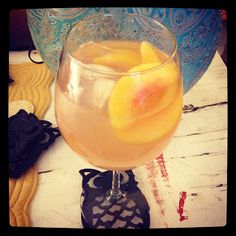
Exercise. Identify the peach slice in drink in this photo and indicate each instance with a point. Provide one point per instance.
(86, 52)
(119, 59)
(151, 54)
(121, 44)
(148, 53)
(139, 99)
(153, 127)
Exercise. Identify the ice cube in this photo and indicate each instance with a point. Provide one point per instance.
(101, 90)
(74, 93)
(95, 71)
(74, 88)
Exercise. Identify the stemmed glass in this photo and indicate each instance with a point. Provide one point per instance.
(118, 100)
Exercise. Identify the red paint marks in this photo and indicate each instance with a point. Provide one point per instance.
(152, 170)
(164, 174)
(159, 200)
(180, 210)
(152, 173)
(161, 162)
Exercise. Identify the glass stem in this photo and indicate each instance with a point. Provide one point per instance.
(115, 192)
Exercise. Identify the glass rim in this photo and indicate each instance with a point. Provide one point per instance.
(107, 73)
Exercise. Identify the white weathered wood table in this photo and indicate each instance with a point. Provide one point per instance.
(187, 187)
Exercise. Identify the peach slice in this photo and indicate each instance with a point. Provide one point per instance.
(149, 53)
(165, 74)
(119, 59)
(154, 127)
(86, 52)
(146, 92)
(121, 44)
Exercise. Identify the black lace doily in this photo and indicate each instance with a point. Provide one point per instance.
(27, 138)
(131, 211)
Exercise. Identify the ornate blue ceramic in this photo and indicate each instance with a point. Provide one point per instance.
(196, 30)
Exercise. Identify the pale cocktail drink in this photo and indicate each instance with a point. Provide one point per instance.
(118, 103)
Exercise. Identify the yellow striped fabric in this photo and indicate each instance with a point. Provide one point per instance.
(32, 83)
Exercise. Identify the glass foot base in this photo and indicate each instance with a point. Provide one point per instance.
(131, 210)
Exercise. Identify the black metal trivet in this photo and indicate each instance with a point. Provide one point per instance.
(132, 211)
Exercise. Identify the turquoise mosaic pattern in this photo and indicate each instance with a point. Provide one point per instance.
(196, 30)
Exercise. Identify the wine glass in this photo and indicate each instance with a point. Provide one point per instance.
(118, 101)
